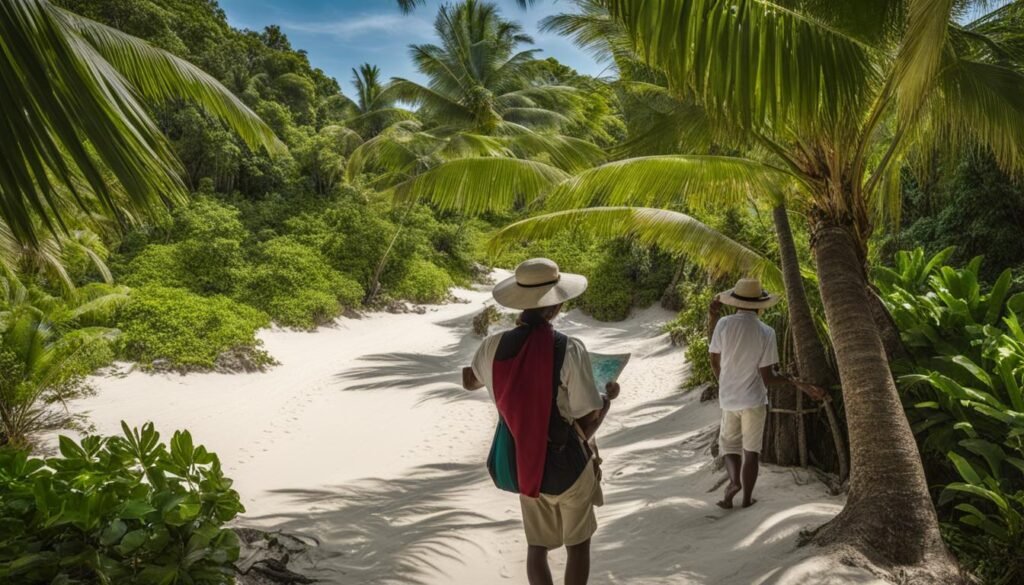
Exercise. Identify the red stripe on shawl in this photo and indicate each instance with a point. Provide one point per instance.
(522, 391)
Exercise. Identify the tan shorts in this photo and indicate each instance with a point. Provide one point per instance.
(742, 430)
(566, 519)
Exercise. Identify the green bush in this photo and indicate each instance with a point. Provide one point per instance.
(295, 286)
(178, 329)
(424, 283)
(626, 275)
(209, 250)
(962, 386)
(156, 265)
(125, 509)
(205, 255)
(690, 328)
(697, 356)
(609, 296)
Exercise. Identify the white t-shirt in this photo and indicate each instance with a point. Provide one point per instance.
(745, 344)
(578, 395)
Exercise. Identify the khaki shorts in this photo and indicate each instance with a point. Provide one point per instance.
(742, 430)
(566, 519)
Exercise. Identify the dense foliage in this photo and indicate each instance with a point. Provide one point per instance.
(125, 509)
(300, 237)
(962, 384)
(174, 328)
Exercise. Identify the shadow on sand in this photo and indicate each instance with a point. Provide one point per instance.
(386, 531)
(663, 481)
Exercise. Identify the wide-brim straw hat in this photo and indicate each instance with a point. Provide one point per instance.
(748, 294)
(538, 283)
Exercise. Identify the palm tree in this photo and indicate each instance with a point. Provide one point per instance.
(45, 345)
(837, 94)
(486, 125)
(374, 108)
(75, 132)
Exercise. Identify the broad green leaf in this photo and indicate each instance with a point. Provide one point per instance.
(992, 453)
(965, 468)
(132, 541)
(113, 533)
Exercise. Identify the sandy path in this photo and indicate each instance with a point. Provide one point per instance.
(363, 439)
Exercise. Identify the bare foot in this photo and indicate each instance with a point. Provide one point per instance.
(730, 492)
(750, 503)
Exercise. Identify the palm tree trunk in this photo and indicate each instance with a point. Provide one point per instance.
(811, 360)
(888, 515)
(810, 351)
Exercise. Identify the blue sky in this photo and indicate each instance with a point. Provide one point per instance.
(341, 34)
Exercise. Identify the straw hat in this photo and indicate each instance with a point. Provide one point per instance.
(748, 294)
(538, 283)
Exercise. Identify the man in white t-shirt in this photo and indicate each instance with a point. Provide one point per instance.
(744, 353)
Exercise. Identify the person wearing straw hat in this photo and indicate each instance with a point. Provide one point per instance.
(543, 386)
(744, 353)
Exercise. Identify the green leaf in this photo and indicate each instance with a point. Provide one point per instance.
(667, 181)
(992, 453)
(674, 232)
(132, 541)
(1016, 303)
(478, 185)
(997, 296)
(113, 533)
(974, 369)
(136, 510)
(965, 468)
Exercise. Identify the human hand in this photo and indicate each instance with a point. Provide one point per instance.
(716, 305)
(612, 390)
(816, 392)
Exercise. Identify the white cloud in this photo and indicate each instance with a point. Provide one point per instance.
(367, 25)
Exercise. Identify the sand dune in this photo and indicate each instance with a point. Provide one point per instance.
(362, 439)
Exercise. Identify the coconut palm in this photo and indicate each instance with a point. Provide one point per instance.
(76, 134)
(374, 109)
(838, 94)
(48, 258)
(45, 348)
(486, 124)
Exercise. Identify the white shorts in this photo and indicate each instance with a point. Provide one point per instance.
(742, 430)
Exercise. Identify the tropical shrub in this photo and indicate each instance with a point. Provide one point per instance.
(41, 368)
(177, 329)
(124, 509)
(209, 250)
(962, 385)
(424, 283)
(690, 329)
(156, 265)
(294, 285)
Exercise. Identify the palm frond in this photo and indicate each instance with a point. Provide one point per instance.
(161, 76)
(666, 181)
(671, 231)
(410, 5)
(479, 185)
(569, 154)
(979, 104)
(68, 119)
(754, 62)
(922, 52)
(659, 122)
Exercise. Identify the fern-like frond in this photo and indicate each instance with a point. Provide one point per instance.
(162, 76)
(693, 181)
(755, 62)
(479, 185)
(671, 231)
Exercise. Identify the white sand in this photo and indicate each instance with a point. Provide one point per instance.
(363, 439)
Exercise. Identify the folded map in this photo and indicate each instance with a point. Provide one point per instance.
(607, 367)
